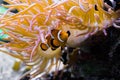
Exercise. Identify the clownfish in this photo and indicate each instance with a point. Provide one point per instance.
(56, 39)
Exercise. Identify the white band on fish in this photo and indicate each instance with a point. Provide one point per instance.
(59, 36)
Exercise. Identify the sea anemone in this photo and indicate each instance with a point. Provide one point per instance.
(35, 19)
(86, 16)
(27, 30)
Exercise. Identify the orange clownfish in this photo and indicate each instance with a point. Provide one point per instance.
(56, 39)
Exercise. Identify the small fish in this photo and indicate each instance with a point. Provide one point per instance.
(56, 39)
